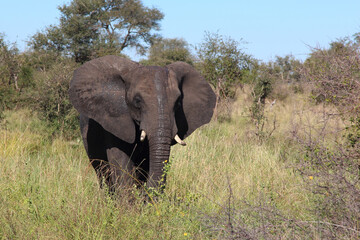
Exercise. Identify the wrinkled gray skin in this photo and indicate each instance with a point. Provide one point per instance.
(118, 98)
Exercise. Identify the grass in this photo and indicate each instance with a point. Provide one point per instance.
(48, 190)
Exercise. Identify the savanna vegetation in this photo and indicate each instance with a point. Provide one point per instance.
(280, 159)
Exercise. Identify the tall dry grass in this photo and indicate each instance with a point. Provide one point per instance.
(48, 190)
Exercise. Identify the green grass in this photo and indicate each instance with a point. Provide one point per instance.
(48, 190)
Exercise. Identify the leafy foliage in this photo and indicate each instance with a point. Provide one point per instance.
(90, 29)
(6, 68)
(50, 99)
(223, 63)
(16, 74)
(287, 68)
(52, 40)
(263, 86)
(168, 50)
(39, 78)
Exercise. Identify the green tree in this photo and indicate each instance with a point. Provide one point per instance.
(168, 50)
(92, 28)
(52, 39)
(287, 68)
(15, 73)
(9, 66)
(223, 63)
(49, 97)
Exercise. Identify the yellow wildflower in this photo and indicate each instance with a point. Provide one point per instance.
(311, 177)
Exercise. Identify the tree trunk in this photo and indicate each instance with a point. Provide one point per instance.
(16, 82)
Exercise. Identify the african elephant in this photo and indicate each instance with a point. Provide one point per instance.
(131, 114)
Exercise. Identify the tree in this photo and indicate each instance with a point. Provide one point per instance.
(92, 28)
(15, 71)
(52, 39)
(287, 68)
(223, 63)
(168, 50)
(9, 66)
(48, 47)
(15, 74)
(50, 98)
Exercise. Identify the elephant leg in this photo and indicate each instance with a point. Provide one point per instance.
(103, 171)
(108, 155)
(122, 175)
(93, 137)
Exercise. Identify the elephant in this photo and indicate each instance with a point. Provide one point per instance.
(130, 116)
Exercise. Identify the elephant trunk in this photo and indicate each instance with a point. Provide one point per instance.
(159, 145)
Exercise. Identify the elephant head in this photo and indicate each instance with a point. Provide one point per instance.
(161, 105)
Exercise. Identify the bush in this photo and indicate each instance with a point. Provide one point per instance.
(335, 72)
(223, 63)
(9, 69)
(168, 50)
(50, 98)
(331, 168)
(243, 220)
(332, 174)
(262, 89)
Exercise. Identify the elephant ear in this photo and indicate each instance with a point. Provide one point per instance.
(97, 90)
(198, 99)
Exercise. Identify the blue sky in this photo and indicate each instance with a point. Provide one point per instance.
(270, 28)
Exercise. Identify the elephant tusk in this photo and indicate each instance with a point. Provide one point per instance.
(142, 136)
(178, 140)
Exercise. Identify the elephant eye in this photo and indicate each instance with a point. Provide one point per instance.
(137, 102)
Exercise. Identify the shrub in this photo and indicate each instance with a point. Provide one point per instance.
(168, 50)
(335, 72)
(224, 64)
(331, 167)
(332, 174)
(50, 99)
(262, 89)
